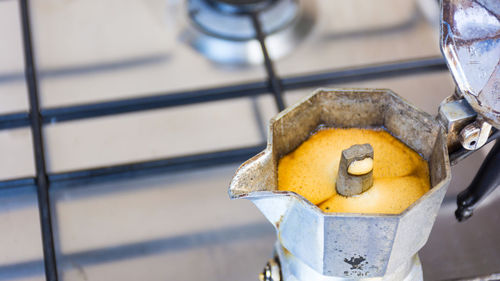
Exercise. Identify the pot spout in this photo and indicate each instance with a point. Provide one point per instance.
(256, 181)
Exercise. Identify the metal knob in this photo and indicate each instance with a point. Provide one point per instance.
(475, 135)
(355, 170)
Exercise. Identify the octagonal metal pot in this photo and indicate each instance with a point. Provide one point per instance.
(347, 245)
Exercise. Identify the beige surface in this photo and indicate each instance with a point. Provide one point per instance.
(20, 228)
(425, 91)
(97, 50)
(352, 33)
(156, 134)
(16, 154)
(13, 95)
(119, 48)
(153, 228)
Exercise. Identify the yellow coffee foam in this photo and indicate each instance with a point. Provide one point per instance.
(400, 175)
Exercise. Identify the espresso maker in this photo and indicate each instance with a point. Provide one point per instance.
(313, 245)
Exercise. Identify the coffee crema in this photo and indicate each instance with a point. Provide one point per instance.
(400, 175)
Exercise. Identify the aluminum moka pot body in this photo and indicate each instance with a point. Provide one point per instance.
(314, 245)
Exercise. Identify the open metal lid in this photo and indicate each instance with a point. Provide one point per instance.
(470, 42)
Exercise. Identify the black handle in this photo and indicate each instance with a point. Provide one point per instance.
(486, 180)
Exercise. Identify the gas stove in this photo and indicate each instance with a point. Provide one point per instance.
(136, 114)
(229, 32)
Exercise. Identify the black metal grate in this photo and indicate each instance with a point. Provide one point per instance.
(274, 85)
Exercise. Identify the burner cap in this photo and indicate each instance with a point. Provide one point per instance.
(241, 6)
(241, 2)
(224, 32)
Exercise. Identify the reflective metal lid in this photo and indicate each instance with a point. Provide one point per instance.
(470, 42)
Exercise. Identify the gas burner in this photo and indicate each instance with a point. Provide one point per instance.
(223, 30)
(241, 6)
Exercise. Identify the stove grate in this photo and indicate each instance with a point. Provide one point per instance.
(274, 85)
